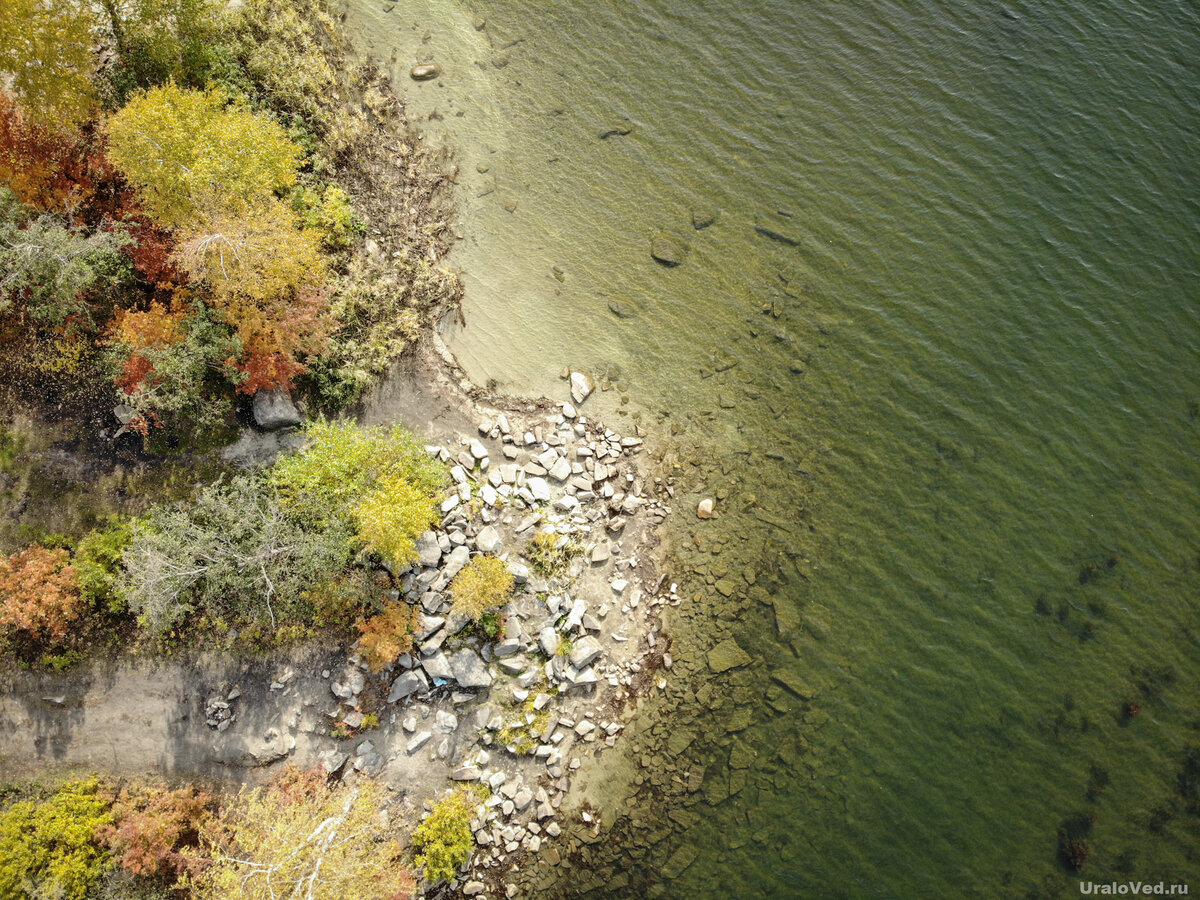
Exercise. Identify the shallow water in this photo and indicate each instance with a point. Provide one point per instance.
(953, 423)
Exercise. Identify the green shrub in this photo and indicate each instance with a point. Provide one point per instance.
(330, 213)
(50, 269)
(232, 553)
(97, 563)
(444, 838)
(60, 662)
(49, 849)
(483, 585)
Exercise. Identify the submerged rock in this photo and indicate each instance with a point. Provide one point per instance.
(666, 249)
(727, 655)
(425, 72)
(705, 509)
(774, 235)
(702, 218)
(622, 309)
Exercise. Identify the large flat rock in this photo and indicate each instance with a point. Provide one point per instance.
(727, 655)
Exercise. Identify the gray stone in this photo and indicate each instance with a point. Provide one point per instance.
(547, 459)
(427, 626)
(666, 249)
(332, 760)
(471, 888)
(488, 539)
(274, 409)
(520, 572)
(469, 670)
(601, 553)
(582, 385)
(458, 558)
(466, 773)
(429, 551)
(445, 721)
(408, 683)
(477, 449)
(549, 640)
(513, 665)
(539, 488)
(584, 651)
(507, 647)
(341, 691)
(417, 741)
(561, 470)
(437, 666)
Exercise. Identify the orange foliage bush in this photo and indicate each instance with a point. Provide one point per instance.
(296, 785)
(386, 636)
(154, 328)
(153, 828)
(150, 252)
(39, 592)
(277, 335)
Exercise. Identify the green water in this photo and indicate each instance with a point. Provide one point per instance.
(958, 453)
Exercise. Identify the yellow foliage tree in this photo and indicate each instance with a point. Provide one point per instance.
(390, 519)
(191, 154)
(321, 843)
(46, 48)
(251, 255)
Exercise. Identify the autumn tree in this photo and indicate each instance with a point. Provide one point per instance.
(39, 592)
(46, 48)
(190, 155)
(322, 843)
(45, 168)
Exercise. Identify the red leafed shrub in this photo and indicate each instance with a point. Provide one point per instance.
(137, 330)
(154, 827)
(39, 592)
(150, 252)
(267, 371)
(296, 785)
(45, 169)
(277, 334)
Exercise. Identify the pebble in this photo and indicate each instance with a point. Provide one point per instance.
(425, 72)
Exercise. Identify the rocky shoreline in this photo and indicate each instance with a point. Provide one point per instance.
(524, 714)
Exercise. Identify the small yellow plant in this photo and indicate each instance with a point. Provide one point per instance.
(484, 584)
(390, 519)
